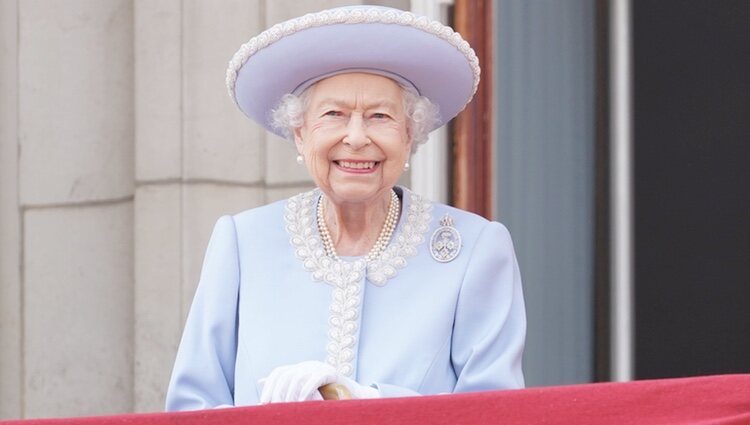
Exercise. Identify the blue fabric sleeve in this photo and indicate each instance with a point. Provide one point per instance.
(203, 374)
(490, 324)
(388, 390)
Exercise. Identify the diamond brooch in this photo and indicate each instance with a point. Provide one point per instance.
(445, 243)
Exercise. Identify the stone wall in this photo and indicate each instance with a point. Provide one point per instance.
(119, 149)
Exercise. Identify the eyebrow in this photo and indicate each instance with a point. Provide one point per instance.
(344, 104)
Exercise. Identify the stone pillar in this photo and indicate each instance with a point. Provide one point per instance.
(198, 158)
(10, 218)
(158, 109)
(75, 187)
(222, 150)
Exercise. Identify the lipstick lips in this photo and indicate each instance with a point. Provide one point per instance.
(356, 166)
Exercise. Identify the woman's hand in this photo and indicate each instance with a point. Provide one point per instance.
(300, 382)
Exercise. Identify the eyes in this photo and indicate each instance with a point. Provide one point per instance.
(376, 116)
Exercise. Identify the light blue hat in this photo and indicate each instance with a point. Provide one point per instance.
(421, 54)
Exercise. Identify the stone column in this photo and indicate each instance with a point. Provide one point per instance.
(198, 158)
(10, 218)
(75, 118)
(158, 109)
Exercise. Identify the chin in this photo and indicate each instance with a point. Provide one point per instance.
(356, 191)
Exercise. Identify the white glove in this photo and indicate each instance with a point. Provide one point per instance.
(301, 381)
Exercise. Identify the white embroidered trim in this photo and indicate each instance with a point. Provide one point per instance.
(349, 16)
(345, 276)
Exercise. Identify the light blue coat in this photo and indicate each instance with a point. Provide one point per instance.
(407, 324)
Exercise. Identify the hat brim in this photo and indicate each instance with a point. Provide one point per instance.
(433, 65)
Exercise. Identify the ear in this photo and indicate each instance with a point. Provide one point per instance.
(298, 139)
(409, 143)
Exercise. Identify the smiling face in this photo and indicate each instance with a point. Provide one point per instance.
(354, 139)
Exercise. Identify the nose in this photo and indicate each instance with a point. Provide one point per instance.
(356, 136)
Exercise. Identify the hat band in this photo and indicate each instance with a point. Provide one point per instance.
(403, 82)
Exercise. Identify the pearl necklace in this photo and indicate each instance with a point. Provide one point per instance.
(383, 239)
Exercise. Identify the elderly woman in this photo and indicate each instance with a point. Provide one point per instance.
(359, 282)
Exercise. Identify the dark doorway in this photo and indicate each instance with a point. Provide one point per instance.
(692, 191)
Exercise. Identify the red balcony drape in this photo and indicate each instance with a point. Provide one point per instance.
(721, 399)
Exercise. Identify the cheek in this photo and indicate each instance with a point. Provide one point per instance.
(316, 160)
(401, 148)
(393, 139)
(312, 144)
(319, 151)
(398, 151)
(313, 158)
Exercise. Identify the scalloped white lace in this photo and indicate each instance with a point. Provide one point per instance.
(345, 276)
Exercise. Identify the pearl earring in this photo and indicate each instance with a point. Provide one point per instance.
(406, 166)
(300, 159)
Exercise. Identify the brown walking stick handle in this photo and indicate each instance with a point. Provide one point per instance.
(335, 392)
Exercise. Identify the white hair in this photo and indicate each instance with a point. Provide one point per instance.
(421, 115)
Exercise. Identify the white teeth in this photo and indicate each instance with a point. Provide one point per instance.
(357, 165)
